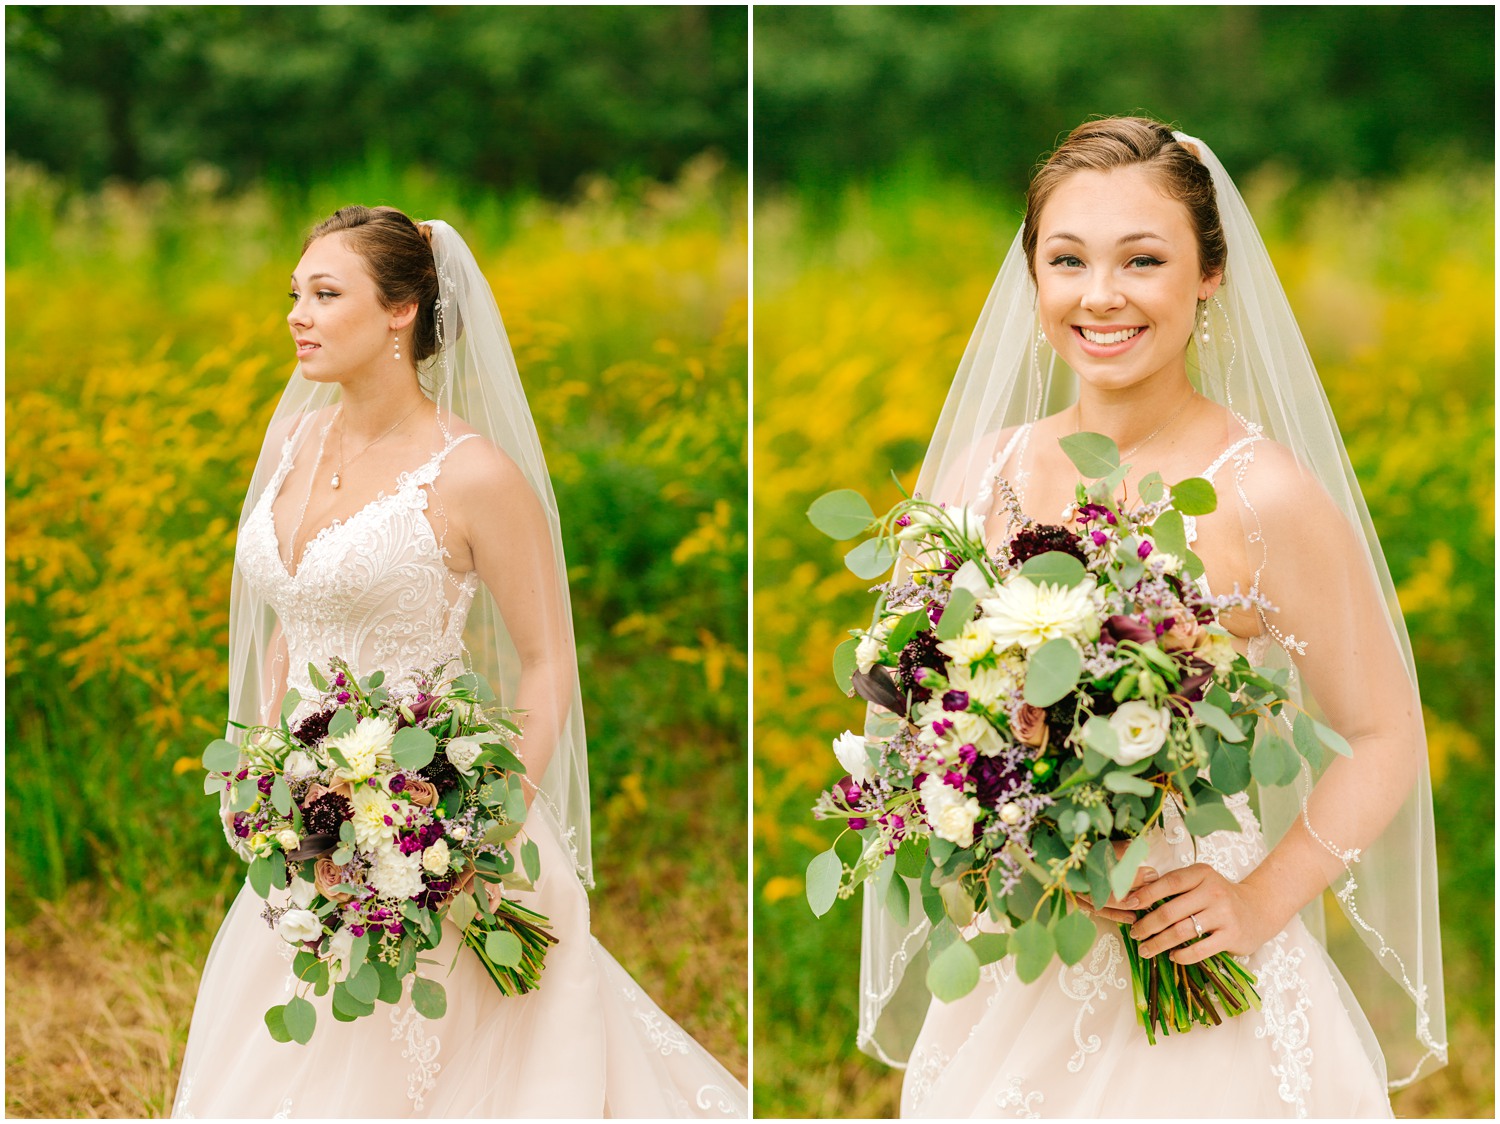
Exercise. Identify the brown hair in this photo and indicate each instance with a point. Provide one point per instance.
(1120, 142)
(398, 254)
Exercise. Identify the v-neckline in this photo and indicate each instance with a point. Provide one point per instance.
(403, 479)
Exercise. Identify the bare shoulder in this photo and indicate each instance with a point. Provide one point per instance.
(477, 469)
(1282, 490)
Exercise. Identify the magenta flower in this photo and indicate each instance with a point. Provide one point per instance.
(1143, 550)
(956, 700)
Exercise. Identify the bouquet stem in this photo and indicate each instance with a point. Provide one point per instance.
(1172, 997)
(532, 929)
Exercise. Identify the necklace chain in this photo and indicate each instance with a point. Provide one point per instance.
(1078, 424)
(339, 471)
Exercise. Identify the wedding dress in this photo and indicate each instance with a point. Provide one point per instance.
(375, 589)
(1070, 1045)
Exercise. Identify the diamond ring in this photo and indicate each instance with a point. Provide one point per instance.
(1193, 917)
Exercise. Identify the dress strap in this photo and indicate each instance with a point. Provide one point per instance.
(429, 471)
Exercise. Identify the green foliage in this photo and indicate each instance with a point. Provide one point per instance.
(980, 92)
(510, 97)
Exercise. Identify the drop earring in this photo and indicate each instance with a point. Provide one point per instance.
(1202, 326)
(398, 347)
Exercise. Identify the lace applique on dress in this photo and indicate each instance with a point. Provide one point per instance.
(1284, 1007)
(1023, 1105)
(717, 1098)
(421, 1048)
(1088, 982)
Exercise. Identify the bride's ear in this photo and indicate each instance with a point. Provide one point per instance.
(402, 318)
(1210, 286)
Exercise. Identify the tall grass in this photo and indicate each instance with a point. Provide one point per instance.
(146, 345)
(864, 302)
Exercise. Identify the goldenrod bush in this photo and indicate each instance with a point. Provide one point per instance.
(864, 303)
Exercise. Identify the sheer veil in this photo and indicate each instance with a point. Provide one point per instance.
(1384, 941)
(471, 375)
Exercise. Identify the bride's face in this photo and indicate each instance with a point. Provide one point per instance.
(337, 322)
(1117, 278)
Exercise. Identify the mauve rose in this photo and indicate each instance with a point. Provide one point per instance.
(1030, 725)
(1120, 627)
(419, 792)
(326, 875)
(1185, 634)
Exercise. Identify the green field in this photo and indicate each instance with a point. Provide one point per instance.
(146, 344)
(864, 300)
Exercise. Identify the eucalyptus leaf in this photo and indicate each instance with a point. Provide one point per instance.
(870, 559)
(260, 876)
(290, 702)
(462, 911)
(989, 947)
(364, 984)
(390, 983)
(347, 1004)
(1118, 781)
(907, 627)
(277, 863)
(956, 614)
(221, 756)
(1229, 766)
(281, 796)
(1052, 672)
(300, 1019)
(341, 722)
(1151, 488)
(245, 793)
(1333, 739)
(1205, 819)
(1100, 862)
(1093, 454)
(276, 1023)
(1169, 533)
(531, 860)
(844, 663)
(413, 747)
(953, 972)
(1211, 716)
(824, 874)
(1121, 877)
(1103, 739)
(1055, 568)
(842, 514)
(316, 677)
(428, 997)
(1194, 496)
(1074, 935)
(1033, 946)
(503, 947)
(503, 758)
(898, 899)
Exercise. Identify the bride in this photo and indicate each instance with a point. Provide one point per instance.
(1137, 301)
(401, 517)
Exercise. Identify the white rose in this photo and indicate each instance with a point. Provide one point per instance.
(849, 748)
(1140, 729)
(340, 945)
(974, 643)
(950, 815)
(462, 753)
(298, 925)
(287, 838)
(970, 523)
(1029, 614)
(364, 747)
(298, 764)
(1011, 812)
(435, 858)
(303, 893)
(866, 654)
(395, 875)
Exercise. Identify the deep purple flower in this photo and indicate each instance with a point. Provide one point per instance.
(849, 791)
(1194, 685)
(956, 700)
(264, 783)
(241, 825)
(242, 774)
(343, 696)
(409, 845)
(388, 821)
(339, 680)
(1044, 538)
(398, 783)
(993, 779)
(326, 814)
(395, 929)
(967, 753)
(920, 651)
(1120, 627)
(941, 727)
(903, 521)
(357, 930)
(314, 728)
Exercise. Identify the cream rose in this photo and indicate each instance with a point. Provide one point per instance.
(1140, 728)
(866, 654)
(287, 839)
(298, 764)
(435, 859)
(949, 813)
(340, 945)
(462, 753)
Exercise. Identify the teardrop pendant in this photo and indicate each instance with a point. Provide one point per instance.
(335, 480)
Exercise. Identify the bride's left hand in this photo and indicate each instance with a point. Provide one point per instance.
(1233, 919)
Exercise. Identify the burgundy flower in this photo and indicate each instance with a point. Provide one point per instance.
(314, 728)
(993, 779)
(343, 696)
(326, 814)
(954, 779)
(967, 753)
(265, 784)
(1143, 550)
(955, 700)
(1196, 682)
(858, 823)
(1044, 538)
(1099, 537)
(1120, 627)
(920, 651)
(849, 791)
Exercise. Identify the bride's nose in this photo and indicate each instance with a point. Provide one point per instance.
(1101, 293)
(296, 318)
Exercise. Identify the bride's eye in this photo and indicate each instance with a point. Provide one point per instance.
(1141, 260)
(1068, 261)
(323, 293)
(294, 295)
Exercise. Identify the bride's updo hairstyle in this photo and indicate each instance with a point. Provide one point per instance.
(1121, 142)
(398, 254)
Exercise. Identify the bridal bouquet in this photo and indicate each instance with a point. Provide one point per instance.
(1042, 706)
(378, 816)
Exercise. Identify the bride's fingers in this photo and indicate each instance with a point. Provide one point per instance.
(1169, 924)
(1200, 950)
(1119, 916)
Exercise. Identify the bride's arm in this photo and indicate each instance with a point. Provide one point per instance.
(1318, 576)
(509, 539)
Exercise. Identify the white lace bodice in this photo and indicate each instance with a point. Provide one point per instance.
(373, 589)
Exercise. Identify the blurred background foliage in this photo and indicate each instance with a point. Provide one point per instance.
(1362, 92)
(146, 344)
(871, 267)
(533, 100)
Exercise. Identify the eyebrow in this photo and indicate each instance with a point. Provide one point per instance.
(314, 277)
(1136, 237)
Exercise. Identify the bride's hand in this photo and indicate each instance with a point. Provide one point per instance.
(1115, 910)
(1231, 917)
